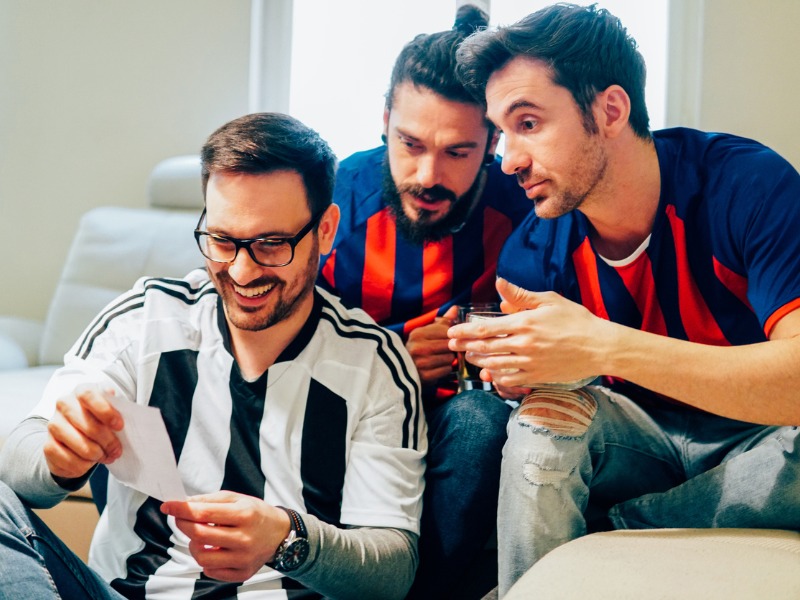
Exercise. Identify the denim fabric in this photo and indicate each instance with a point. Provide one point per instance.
(658, 467)
(34, 563)
(459, 512)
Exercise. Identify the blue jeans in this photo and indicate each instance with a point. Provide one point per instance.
(637, 468)
(34, 563)
(459, 511)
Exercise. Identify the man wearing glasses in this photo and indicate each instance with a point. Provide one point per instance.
(295, 422)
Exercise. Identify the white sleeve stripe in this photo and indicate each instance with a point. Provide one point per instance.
(393, 361)
(133, 300)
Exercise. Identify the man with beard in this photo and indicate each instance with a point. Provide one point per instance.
(295, 423)
(667, 262)
(423, 221)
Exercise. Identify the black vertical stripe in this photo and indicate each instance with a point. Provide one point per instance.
(173, 390)
(206, 588)
(322, 463)
(243, 471)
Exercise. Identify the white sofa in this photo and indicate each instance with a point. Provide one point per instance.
(112, 248)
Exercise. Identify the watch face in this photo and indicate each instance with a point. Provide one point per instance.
(294, 554)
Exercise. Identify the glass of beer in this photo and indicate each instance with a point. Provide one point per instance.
(469, 374)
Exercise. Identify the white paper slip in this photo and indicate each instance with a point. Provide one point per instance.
(147, 463)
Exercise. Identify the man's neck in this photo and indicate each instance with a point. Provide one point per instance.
(622, 216)
(257, 351)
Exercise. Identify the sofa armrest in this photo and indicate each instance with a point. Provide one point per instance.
(19, 342)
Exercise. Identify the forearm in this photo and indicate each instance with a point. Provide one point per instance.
(24, 469)
(756, 383)
(358, 563)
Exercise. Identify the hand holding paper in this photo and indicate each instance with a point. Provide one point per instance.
(147, 463)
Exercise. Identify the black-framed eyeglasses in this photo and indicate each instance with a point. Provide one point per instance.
(267, 251)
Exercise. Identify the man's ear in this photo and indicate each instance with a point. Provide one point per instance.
(385, 124)
(493, 141)
(326, 230)
(612, 110)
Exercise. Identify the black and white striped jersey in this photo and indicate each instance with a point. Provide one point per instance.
(334, 428)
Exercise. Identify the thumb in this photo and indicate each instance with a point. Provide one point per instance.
(451, 314)
(516, 298)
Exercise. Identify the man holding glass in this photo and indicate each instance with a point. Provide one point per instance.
(423, 221)
(295, 423)
(665, 261)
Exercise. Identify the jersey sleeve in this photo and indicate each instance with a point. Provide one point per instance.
(767, 238)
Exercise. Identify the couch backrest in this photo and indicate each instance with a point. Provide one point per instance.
(114, 246)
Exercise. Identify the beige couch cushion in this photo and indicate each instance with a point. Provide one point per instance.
(686, 564)
(113, 247)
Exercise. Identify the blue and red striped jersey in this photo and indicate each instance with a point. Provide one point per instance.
(721, 266)
(402, 285)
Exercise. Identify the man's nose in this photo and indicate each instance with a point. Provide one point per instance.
(244, 269)
(514, 159)
(428, 171)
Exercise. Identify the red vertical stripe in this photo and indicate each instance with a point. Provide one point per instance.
(737, 284)
(437, 273)
(377, 286)
(588, 279)
(483, 289)
(638, 279)
(329, 268)
(698, 321)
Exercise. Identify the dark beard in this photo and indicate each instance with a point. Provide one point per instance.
(423, 229)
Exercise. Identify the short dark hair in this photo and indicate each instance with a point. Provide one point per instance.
(429, 59)
(261, 143)
(586, 48)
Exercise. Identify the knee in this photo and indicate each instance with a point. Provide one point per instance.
(562, 414)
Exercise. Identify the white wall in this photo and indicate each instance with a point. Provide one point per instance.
(93, 93)
(744, 77)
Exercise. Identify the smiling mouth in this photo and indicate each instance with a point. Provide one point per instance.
(253, 292)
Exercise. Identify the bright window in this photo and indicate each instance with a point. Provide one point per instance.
(343, 53)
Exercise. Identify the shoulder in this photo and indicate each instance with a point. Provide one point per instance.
(358, 190)
(726, 171)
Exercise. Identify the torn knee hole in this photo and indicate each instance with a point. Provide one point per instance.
(561, 412)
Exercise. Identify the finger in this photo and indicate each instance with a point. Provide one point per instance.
(231, 575)
(219, 508)
(95, 401)
(431, 376)
(433, 348)
(83, 435)
(451, 314)
(78, 428)
(516, 298)
(62, 462)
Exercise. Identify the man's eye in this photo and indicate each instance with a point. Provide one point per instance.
(528, 124)
(270, 244)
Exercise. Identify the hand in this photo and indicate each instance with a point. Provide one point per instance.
(427, 346)
(82, 433)
(231, 536)
(545, 338)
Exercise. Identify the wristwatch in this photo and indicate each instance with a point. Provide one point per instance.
(293, 551)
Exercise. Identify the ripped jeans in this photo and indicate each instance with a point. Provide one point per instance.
(598, 454)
